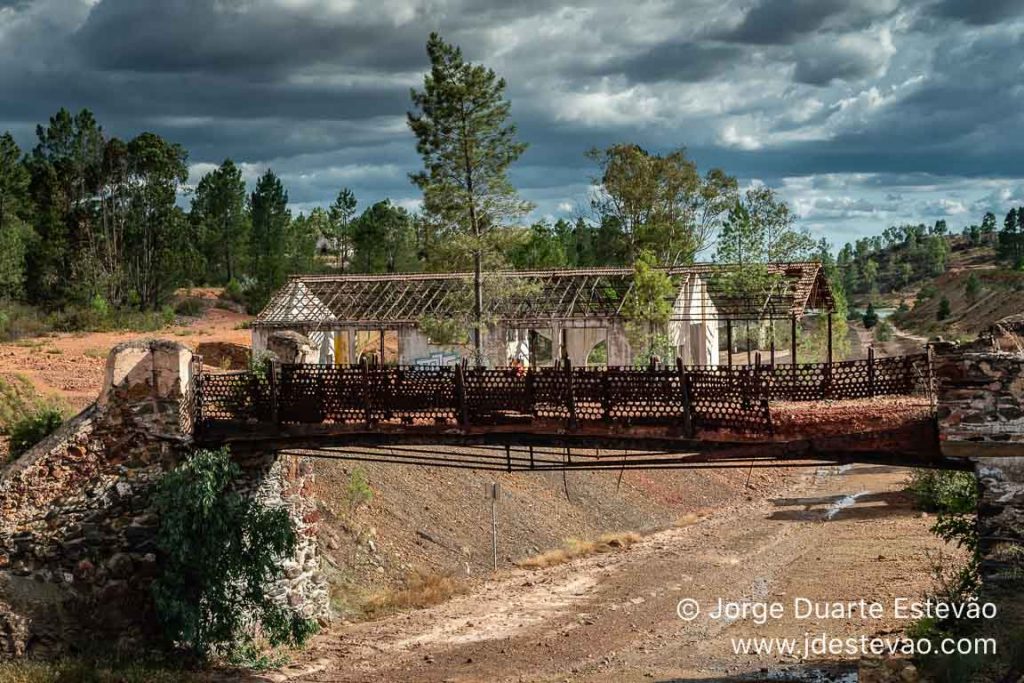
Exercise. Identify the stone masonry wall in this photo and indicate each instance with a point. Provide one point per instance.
(980, 392)
(77, 550)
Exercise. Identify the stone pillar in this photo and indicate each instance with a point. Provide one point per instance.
(1001, 521)
(288, 481)
(619, 351)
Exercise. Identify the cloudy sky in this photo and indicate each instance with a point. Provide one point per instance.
(863, 113)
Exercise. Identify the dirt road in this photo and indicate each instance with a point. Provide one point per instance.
(839, 534)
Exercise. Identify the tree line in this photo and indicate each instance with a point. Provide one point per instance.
(90, 220)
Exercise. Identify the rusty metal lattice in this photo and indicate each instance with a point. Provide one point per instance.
(535, 297)
(685, 399)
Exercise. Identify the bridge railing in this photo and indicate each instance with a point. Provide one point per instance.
(687, 399)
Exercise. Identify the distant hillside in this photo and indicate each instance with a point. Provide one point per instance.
(942, 284)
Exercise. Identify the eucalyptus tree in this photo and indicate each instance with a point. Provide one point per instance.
(463, 133)
(659, 203)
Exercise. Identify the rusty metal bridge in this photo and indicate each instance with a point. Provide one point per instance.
(873, 410)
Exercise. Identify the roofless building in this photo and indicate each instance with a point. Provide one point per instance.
(539, 316)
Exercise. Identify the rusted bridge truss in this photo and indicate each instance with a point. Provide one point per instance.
(533, 419)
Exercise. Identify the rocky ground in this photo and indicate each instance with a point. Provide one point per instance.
(835, 534)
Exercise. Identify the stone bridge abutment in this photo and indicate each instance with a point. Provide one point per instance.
(77, 528)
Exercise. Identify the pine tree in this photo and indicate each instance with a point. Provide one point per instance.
(14, 207)
(221, 221)
(339, 226)
(467, 144)
(268, 207)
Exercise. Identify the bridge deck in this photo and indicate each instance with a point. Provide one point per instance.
(871, 412)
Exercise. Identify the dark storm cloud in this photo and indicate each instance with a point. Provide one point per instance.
(680, 62)
(835, 101)
(979, 12)
(185, 35)
(784, 21)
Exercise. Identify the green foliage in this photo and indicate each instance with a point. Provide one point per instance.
(972, 288)
(190, 307)
(942, 491)
(944, 309)
(338, 230)
(463, 134)
(656, 346)
(443, 331)
(358, 491)
(31, 429)
(219, 552)
(545, 245)
(233, 291)
(870, 318)
(221, 222)
(883, 331)
(658, 204)
(268, 205)
(649, 305)
(383, 240)
(954, 496)
(893, 260)
(89, 670)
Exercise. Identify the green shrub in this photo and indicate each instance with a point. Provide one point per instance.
(942, 491)
(358, 491)
(233, 292)
(954, 496)
(944, 309)
(190, 307)
(28, 431)
(100, 307)
(18, 320)
(19, 399)
(883, 331)
(870, 318)
(219, 553)
(926, 292)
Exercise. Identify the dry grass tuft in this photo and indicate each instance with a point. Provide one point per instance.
(688, 519)
(421, 590)
(574, 548)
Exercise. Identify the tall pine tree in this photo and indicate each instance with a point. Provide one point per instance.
(268, 206)
(467, 143)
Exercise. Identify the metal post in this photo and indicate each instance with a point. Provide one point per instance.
(367, 391)
(871, 371)
(460, 395)
(495, 490)
(746, 331)
(684, 387)
(272, 371)
(728, 341)
(772, 323)
(792, 337)
(792, 346)
(571, 399)
(828, 366)
(382, 347)
(830, 341)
